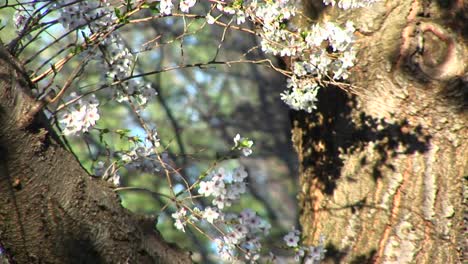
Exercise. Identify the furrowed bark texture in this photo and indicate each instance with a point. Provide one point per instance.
(383, 172)
(51, 210)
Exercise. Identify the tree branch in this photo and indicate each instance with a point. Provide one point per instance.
(55, 212)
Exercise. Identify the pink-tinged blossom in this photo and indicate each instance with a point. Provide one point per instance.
(205, 188)
(20, 18)
(292, 238)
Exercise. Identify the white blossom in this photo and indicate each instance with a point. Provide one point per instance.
(292, 238)
(210, 214)
(302, 96)
(179, 218)
(80, 116)
(166, 6)
(205, 188)
(185, 5)
(210, 19)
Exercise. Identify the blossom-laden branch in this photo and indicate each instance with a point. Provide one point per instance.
(323, 53)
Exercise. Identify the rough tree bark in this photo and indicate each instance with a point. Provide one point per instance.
(51, 210)
(383, 170)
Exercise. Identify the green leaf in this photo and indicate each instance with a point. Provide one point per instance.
(129, 5)
(117, 12)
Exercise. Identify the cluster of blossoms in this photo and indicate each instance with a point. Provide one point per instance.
(317, 63)
(166, 6)
(81, 115)
(325, 51)
(117, 59)
(302, 94)
(133, 88)
(244, 233)
(142, 156)
(119, 63)
(143, 159)
(225, 187)
(75, 14)
(181, 218)
(276, 37)
(322, 51)
(311, 254)
(92, 17)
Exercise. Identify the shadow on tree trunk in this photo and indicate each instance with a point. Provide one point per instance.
(335, 130)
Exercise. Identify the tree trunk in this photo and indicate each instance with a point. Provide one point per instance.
(383, 170)
(51, 210)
